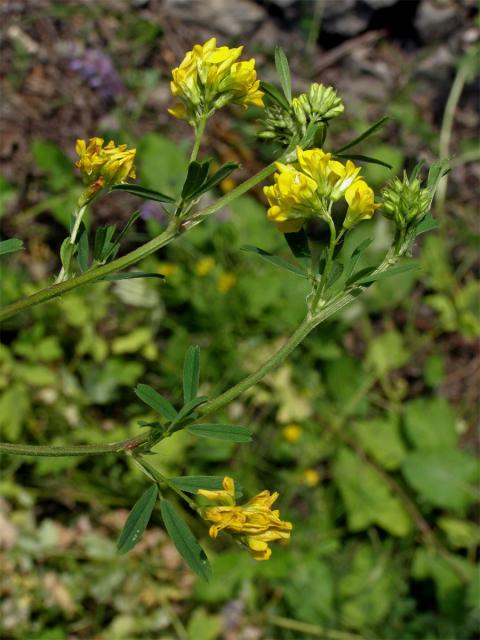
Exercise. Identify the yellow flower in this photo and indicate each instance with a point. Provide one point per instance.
(226, 281)
(309, 188)
(333, 177)
(103, 166)
(291, 433)
(209, 77)
(361, 205)
(254, 523)
(292, 198)
(167, 268)
(204, 266)
(311, 477)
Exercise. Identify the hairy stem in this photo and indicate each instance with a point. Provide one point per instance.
(75, 450)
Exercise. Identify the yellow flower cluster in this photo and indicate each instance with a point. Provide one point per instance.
(103, 166)
(307, 189)
(254, 523)
(210, 77)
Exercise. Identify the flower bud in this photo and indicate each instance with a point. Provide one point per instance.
(405, 201)
(317, 106)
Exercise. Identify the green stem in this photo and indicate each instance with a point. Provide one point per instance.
(136, 255)
(199, 130)
(225, 398)
(311, 630)
(446, 130)
(78, 215)
(76, 450)
(159, 477)
(233, 194)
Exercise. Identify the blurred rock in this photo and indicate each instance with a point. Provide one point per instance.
(380, 4)
(234, 18)
(345, 17)
(437, 67)
(436, 19)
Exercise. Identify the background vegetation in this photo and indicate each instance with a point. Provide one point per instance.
(367, 431)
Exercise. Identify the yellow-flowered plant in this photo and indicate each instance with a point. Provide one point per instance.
(209, 77)
(254, 524)
(314, 193)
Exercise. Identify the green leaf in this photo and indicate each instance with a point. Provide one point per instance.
(10, 246)
(283, 70)
(362, 158)
(229, 432)
(196, 175)
(191, 373)
(387, 352)
(436, 172)
(103, 244)
(393, 271)
(83, 250)
(129, 275)
(367, 498)
(362, 605)
(204, 626)
(185, 542)
(187, 409)
(67, 250)
(162, 163)
(191, 484)
(427, 224)
(381, 439)
(443, 477)
(143, 192)
(217, 177)
(351, 262)
(137, 520)
(461, 534)
(133, 218)
(430, 423)
(154, 400)
(273, 93)
(276, 260)
(335, 272)
(298, 243)
(366, 134)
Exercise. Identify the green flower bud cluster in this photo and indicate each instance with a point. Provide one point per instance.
(405, 202)
(279, 125)
(317, 106)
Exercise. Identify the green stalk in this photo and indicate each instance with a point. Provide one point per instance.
(446, 130)
(76, 450)
(78, 215)
(171, 232)
(159, 477)
(199, 130)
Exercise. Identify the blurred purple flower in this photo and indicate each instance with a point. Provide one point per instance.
(223, 215)
(97, 69)
(150, 210)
